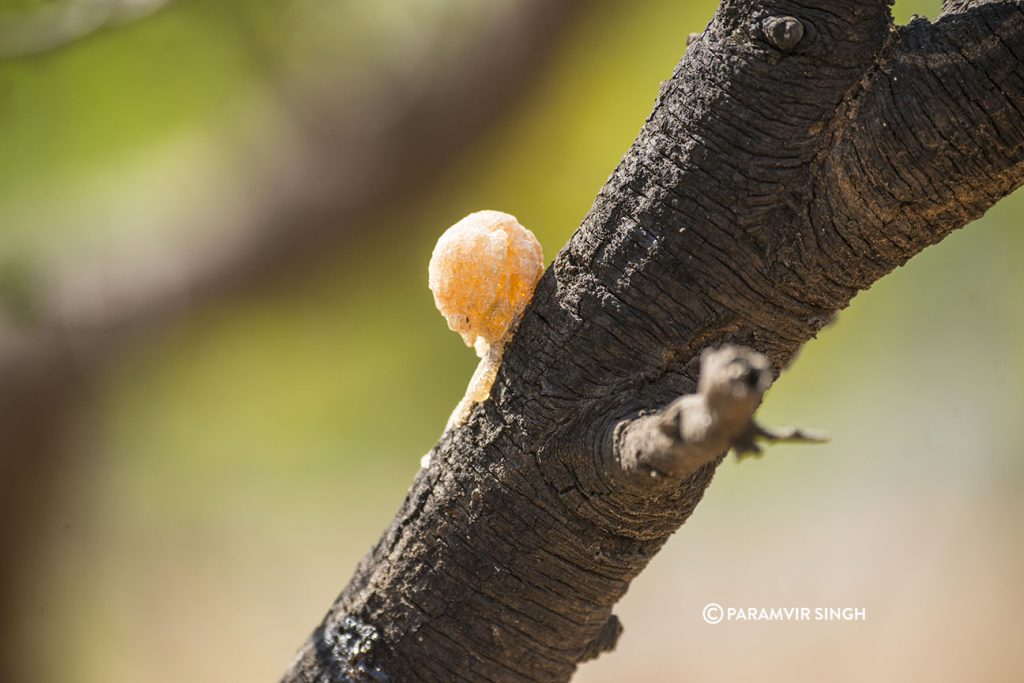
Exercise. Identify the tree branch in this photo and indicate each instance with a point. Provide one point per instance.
(696, 429)
(753, 205)
(934, 137)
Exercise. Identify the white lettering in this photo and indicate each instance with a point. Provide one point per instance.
(791, 613)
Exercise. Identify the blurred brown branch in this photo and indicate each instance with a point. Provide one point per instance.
(53, 25)
(361, 157)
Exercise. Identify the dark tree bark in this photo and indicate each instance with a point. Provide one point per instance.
(800, 152)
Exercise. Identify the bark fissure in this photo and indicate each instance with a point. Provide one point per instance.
(779, 174)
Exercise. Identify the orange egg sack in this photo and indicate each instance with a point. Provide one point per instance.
(482, 273)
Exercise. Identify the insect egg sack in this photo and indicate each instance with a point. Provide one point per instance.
(482, 273)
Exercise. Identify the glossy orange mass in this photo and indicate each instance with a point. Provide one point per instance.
(483, 272)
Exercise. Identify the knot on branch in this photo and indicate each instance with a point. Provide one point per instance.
(698, 428)
(783, 32)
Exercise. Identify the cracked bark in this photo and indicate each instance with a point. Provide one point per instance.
(776, 177)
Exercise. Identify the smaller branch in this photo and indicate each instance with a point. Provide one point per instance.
(697, 429)
(937, 135)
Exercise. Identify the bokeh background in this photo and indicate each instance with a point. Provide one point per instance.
(220, 363)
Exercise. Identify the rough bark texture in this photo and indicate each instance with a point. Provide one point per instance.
(800, 151)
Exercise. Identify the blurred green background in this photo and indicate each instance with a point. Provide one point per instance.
(228, 464)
